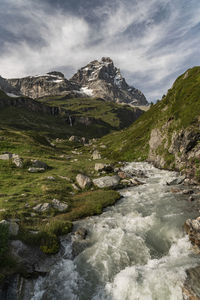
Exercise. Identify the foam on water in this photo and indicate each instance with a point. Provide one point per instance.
(137, 249)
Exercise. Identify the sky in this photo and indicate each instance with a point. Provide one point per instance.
(151, 41)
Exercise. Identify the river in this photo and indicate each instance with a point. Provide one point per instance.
(135, 250)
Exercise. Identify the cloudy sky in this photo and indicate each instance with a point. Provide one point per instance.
(151, 41)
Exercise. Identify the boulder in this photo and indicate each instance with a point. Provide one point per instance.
(12, 225)
(96, 155)
(42, 207)
(6, 156)
(36, 170)
(176, 181)
(107, 181)
(39, 164)
(83, 181)
(60, 206)
(17, 161)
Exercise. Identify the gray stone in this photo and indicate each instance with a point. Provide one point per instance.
(39, 164)
(36, 170)
(6, 156)
(107, 181)
(96, 155)
(176, 181)
(83, 181)
(60, 206)
(42, 207)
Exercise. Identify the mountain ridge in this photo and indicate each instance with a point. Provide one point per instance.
(99, 79)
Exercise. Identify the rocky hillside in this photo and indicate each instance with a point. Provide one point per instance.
(98, 79)
(103, 79)
(169, 133)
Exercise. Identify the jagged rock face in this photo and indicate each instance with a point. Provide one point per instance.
(102, 79)
(50, 84)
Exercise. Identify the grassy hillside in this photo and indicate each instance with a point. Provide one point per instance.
(175, 116)
(113, 116)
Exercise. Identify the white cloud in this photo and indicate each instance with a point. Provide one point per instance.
(165, 43)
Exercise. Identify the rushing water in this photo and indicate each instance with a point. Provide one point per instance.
(136, 250)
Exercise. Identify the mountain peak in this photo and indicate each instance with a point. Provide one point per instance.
(104, 80)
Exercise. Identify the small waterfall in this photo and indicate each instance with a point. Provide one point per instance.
(70, 121)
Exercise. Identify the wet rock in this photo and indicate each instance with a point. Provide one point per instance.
(107, 181)
(79, 242)
(42, 207)
(83, 181)
(81, 233)
(191, 288)
(192, 227)
(96, 155)
(176, 181)
(60, 206)
(36, 170)
(39, 164)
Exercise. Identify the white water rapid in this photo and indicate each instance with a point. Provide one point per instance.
(135, 250)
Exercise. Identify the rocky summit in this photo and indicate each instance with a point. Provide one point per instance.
(99, 79)
(102, 79)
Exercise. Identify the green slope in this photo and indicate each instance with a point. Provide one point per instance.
(176, 115)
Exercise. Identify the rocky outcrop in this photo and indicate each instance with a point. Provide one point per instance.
(180, 151)
(102, 79)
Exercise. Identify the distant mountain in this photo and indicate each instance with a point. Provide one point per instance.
(50, 84)
(99, 79)
(102, 79)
